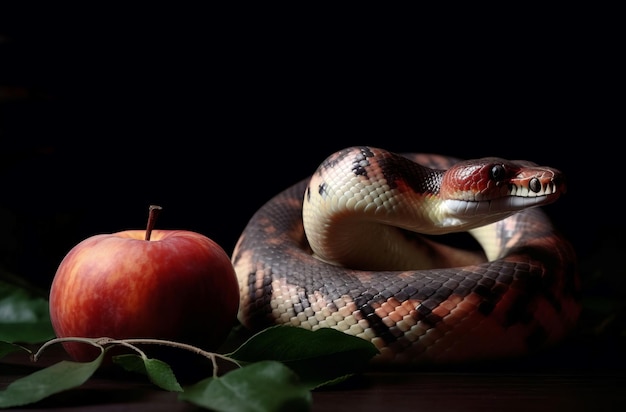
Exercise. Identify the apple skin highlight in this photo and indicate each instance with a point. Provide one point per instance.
(179, 285)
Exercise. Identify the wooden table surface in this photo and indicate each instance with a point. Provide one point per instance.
(576, 377)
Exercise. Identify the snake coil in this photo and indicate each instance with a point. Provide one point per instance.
(516, 296)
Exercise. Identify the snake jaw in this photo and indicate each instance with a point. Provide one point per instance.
(535, 188)
(461, 212)
(538, 181)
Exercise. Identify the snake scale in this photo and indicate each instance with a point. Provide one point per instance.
(342, 249)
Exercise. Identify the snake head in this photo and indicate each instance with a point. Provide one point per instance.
(499, 186)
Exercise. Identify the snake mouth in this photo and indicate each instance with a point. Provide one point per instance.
(504, 205)
(519, 199)
(534, 187)
(532, 193)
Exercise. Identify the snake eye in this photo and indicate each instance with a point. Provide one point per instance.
(534, 185)
(497, 172)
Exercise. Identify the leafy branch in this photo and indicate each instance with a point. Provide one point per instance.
(275, 368)
(131, 343)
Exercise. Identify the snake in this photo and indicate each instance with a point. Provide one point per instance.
(431, 258)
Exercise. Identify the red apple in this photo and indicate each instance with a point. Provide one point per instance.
(166, 284)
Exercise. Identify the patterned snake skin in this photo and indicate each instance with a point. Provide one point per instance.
(518, 296)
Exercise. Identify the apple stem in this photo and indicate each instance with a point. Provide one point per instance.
(153, 212)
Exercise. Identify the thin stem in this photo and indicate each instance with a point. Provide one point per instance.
(153, 213)
(209, 355)
(164, 343)
(95, 342)
(133, 347)
(101, 342)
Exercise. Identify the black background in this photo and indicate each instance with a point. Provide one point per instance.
(209, 113)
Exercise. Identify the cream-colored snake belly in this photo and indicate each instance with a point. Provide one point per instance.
(340, 249)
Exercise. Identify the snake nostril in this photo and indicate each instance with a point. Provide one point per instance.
(534, 185)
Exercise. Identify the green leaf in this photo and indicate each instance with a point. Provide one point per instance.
(262, 386)
(48, 381)
(157, 371)
(24, 317)
(320, 357)
(7, 347)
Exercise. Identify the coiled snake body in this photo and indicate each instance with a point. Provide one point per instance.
(340, 250)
